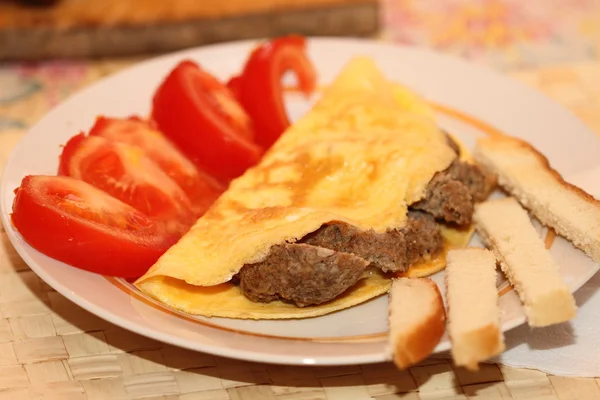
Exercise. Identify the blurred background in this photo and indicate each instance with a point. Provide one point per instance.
(506, 33)
(49, 48)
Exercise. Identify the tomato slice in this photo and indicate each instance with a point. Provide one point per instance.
(234, 84)
(124, 172)
(259, 88)
(200, 188)
(202, 117)
(73, 222)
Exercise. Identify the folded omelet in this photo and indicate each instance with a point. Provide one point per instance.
(359, 157)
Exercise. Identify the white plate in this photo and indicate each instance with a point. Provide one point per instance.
(357, 335)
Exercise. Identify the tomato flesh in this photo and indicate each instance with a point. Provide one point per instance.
(222, 100)
(201, 188)
(259, 88)
(124, 172)
(73, 222)
(201, 116)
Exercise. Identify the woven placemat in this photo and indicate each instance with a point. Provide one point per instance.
(52, 349)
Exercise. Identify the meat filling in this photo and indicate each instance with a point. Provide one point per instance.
(302, 274)
(452, 194)
(394, 250)
(447, 199)
(386, 250)
(480, 183)
(332, 259)
(422, 236)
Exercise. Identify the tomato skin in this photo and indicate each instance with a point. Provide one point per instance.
(234, 84)
(68, 151)
(190, 108)
(259, 88)
(201, 188)
(124, 172)
(118, 241)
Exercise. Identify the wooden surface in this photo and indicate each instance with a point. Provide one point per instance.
(115, 27)
(78, 13)
(52, 349)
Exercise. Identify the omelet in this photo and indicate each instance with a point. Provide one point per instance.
(363, 154)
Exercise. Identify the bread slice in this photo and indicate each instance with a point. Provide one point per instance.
(529, 266)
(527, 175)
(417, 320)
(473, 312)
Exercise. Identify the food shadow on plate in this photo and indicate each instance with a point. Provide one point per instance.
(555, 336)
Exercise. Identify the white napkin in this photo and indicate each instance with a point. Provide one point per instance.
(570, 349)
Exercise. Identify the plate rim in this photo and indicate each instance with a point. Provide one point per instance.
(13, 235)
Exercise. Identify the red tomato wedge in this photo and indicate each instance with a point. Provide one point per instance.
(202, 117)
(72, 221)
(259, 88)
(201, 188)
(124, 172)
(234, 84)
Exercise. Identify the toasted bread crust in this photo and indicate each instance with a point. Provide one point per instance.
(478, 345)
(475, 332)
(543, 160)
(417, 342)
(506, 228)
(492, 153)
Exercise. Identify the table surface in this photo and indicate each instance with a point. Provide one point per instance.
(52, 349)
